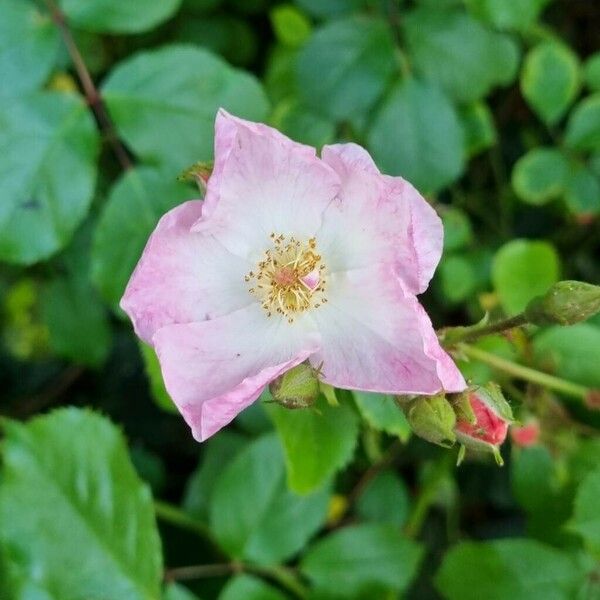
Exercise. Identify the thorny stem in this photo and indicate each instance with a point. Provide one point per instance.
(521, 372)
(284, 576)
(89, 88)
(455, 335)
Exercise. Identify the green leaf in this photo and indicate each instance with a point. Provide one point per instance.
(360, 559)
(385, 500)
(247, 587)
(457, 278)
(157, 385)
(431, 154)
(510, 568)
(217, 453)
(291, 26)
(523, 269)
(76, 319)
(49, 144)
(516, 14)
(540, 175)
(134, 206)
(174, 591)
(550, 80)
(458, 231)
(254, 516)
(592, 72)
(479, 127)
(116, 16)
(381, 413)
(476, 372)
(583, 128)
(345, 66)
(29, 43)
(302, 124)
(331, 8)
(570, 352)
(164, 102)
(458, 53)
(582, 192)
(74, 510)
(317, 442)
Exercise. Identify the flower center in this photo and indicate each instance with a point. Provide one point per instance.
(289, 279)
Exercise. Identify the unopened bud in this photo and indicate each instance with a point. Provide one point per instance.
(296, 388)
(483, 417)
(433, 419)
(199, 173)
(525, 435)
(565, 303)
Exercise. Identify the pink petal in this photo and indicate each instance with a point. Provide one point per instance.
(375, 337)
(379, 219)
(263, 183)
(215, 369)
(183, 276)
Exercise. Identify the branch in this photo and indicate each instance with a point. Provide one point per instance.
(92, 94)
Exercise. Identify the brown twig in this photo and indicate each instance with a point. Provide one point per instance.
(90, 90)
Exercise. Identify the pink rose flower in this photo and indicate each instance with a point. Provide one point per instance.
(290, 257)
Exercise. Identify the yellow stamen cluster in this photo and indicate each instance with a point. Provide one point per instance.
(289, 279)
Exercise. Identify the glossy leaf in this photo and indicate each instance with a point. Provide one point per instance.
(381, 413)
(74, 510)
(583, 128)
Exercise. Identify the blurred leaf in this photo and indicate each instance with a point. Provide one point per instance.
(134, 206)
(49, 144)
(592, 72)
(478, 124)
(217, 453)
(570, 352)
(431, 152)
(476, 372)
(331, 8)
(164, 102)
(385, 500)
(230, 36)
(583, 128)
(362, 558)
(458, 53)
(317, 442)
(381, 413)
(254, 516)
(73, 508)
(247, 587)
(174, 591)
(345, 66)
(509, 568)
(280, 74)
(118, 16)
(540, 175)
(157, 385)
(302, 124)
(457, 278)
(540, 490)
(29, 43)
(582, 190)
(458, 232)
(516, 14)
(523, 269)
(76, 319)
(550, 80)
(586, 518)
(201, 6)
(291, 26)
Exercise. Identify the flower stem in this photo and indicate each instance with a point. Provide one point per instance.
(455, 335)
(557, 384)
(93, 97)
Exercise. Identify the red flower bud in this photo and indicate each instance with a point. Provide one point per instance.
(483, 420)
(526, 435)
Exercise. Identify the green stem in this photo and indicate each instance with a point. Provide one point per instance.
(455, 335)
(175, 516)
(521, 372)
(284, 576)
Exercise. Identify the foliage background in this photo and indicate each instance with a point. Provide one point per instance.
(490, 107)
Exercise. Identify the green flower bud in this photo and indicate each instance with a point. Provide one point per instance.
(296, 388)
(433, 419)
(565, 303)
